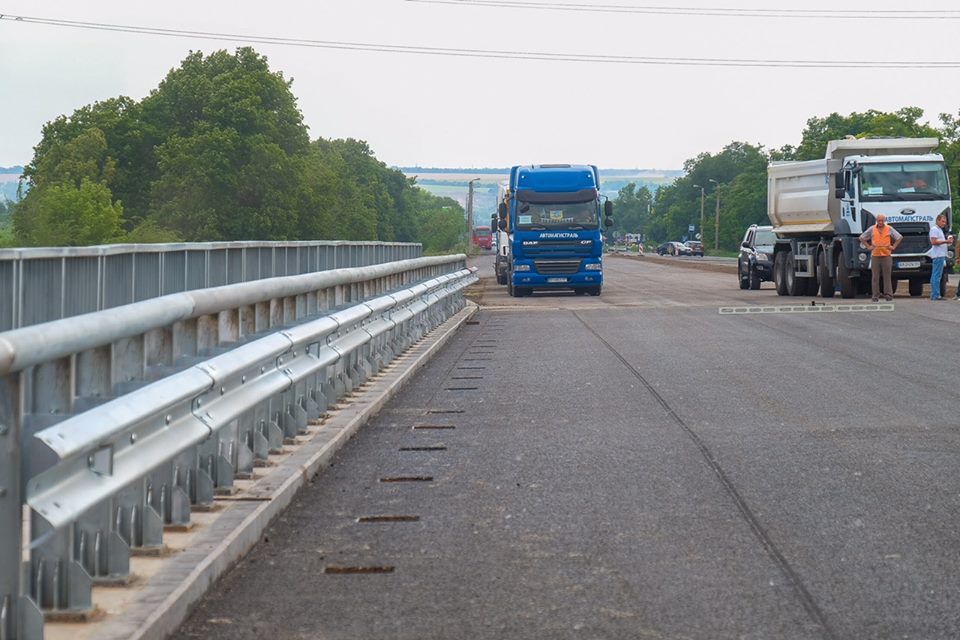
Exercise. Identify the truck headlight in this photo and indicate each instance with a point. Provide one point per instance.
(521, 267)
(863, 257)
(950, 255)
(762, 256)
(593, 266)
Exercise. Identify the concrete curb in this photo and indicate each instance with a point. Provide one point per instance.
(169, 595)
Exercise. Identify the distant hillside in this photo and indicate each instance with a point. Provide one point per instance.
(452, 183)
(9, 177)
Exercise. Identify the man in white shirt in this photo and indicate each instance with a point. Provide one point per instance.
(938, 253)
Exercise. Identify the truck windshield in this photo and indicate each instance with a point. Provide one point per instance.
(904, 181)
(578, 215)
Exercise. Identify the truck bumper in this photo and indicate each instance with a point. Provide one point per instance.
(539, 281)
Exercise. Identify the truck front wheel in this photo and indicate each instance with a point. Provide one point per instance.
(916, 287)
(848, 286)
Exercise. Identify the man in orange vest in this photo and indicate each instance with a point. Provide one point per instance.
(881, 240)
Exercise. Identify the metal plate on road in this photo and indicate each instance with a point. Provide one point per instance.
(809, 308)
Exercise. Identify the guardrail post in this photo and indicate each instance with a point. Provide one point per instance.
(20, 619)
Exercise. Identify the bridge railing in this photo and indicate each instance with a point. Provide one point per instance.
(115, 424)
(40, 285)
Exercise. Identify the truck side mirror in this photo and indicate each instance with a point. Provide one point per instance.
(608, 222)
(745, 244)
(608, 209)
(502, 224)
(839, 192)
(502, 211)
(838, 180)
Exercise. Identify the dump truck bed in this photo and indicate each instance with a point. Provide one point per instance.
(800, 198)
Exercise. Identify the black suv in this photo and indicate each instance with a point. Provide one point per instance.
(755, 264)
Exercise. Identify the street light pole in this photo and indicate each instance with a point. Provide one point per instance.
(470, 206)
(716, 224)
(696, 186)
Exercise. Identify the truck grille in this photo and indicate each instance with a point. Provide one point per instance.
(555, 267)
(915, 238)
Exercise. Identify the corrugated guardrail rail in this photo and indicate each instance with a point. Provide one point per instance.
(113, 424)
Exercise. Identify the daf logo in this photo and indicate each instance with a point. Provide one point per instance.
(907, 212)
(586, 242)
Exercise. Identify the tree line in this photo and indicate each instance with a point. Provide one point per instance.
(217, 151)
(737, 175)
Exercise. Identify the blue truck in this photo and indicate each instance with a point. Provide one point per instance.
(549, 229)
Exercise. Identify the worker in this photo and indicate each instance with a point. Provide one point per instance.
(881, 240)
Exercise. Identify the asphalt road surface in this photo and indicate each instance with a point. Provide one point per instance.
(636, 466)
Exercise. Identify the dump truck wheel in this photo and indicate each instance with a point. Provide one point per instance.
(826, 276)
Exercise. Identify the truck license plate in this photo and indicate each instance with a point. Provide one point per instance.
(908, 265)
(556, 279)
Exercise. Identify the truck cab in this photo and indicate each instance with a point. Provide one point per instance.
(911, 191)
(552, 214)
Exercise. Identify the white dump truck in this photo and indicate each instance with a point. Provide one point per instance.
(819, 208)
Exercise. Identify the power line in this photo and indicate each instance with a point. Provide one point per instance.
(831, 14)
(484, 53)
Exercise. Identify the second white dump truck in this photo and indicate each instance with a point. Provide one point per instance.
(819, 208)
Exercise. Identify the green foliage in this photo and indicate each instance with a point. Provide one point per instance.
(66, 215)
(737, 175)
(903, 123)
(442, 222)
(631, 209)
(218, 151)
(7, 238)
(149, 232)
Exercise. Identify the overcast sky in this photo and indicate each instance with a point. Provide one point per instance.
(474, 112)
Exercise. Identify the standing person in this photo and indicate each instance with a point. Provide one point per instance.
(938, 253)
(881, 240)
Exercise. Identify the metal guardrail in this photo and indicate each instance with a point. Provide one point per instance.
(40, 285)
(114, 424)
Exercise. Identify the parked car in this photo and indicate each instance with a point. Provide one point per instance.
(673, 249)
(696, 247)
(755, 264)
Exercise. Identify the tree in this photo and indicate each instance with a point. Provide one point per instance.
(739, 172)
(631, 209)
(67, 215)
(218, 151)
(877, 124)
(441, 220)
(69, 202)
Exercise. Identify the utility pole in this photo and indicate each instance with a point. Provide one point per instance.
(470, 206)
(716, 225)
